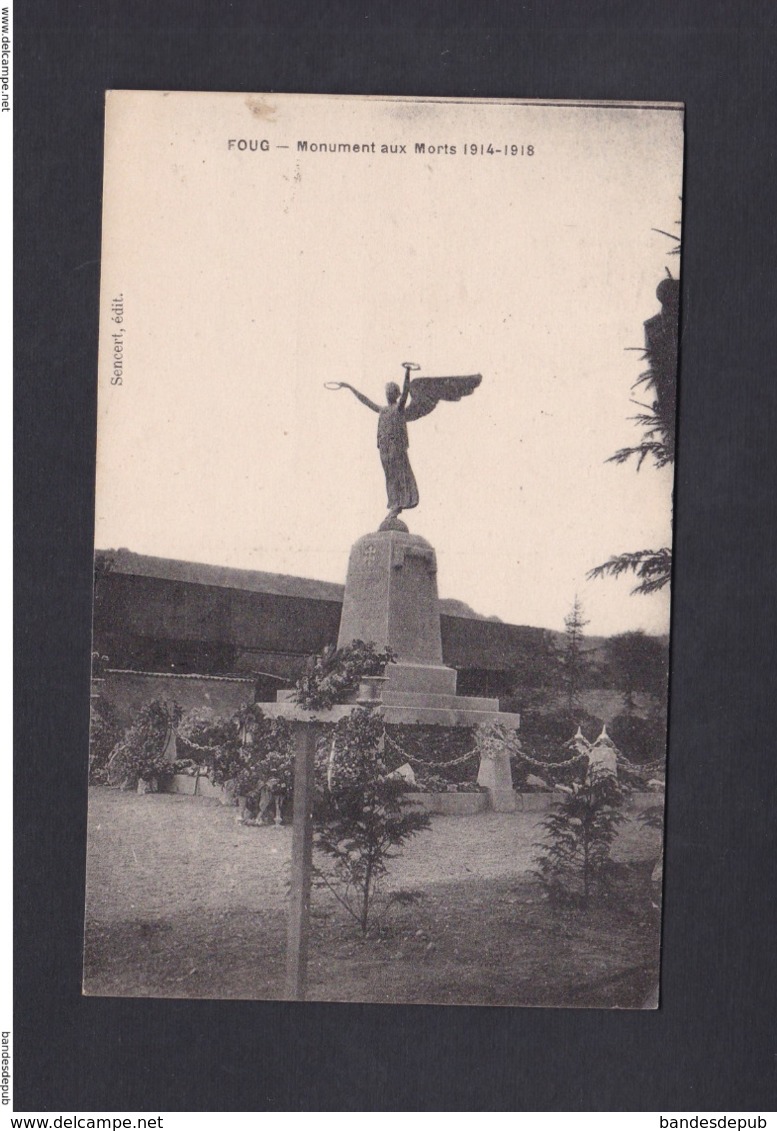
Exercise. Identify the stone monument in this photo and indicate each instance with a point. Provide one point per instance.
(391, 597)
(390, 600)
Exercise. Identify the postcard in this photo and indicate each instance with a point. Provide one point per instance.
(383, 542)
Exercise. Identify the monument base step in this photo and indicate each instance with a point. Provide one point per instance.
(393, 697)
(458, 714)
(502, 800)
(433, 679)
(404, 709)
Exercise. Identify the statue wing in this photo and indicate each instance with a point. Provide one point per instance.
(427, 392)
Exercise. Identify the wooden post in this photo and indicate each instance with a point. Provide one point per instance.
(305, 735)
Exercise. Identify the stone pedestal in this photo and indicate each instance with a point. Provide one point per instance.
(391, 601)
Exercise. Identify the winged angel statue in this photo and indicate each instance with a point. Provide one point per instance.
(415, 399)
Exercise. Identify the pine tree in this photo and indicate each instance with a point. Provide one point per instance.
(574, 858)
(362, 821)
(653, 568)
(573, 660)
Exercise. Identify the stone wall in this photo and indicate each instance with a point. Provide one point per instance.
(129, 691)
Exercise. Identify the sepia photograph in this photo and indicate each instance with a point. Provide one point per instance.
(383, 549)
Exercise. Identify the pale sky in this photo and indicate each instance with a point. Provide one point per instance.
(249, 278)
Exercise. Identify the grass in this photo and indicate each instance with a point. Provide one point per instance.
(184, 902)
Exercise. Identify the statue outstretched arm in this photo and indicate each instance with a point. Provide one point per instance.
(405, 391)
(359, 396)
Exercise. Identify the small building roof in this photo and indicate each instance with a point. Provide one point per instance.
(252, 610)
(222, 577)
(249, 580)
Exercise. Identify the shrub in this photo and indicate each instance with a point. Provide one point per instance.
(544, 737)
(211, 741)
(336, 672)
(573, 860)
(254, 754)
(104, 733)
(637, 662)
(653, 817)
(544, 733)
(267, 761)
(140, 752)
(360, 817)
(641, 740)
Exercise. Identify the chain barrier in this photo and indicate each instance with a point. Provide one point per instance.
(432, 765)
(639, 769)
(515, 751)
(522, 757)
(196, 745)
(478, 751)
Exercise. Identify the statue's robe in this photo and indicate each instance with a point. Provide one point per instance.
(393, 443)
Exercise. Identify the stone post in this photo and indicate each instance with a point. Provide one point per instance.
(603, 755)
(495, 775)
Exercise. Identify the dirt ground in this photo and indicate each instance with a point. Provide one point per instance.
(183, 901)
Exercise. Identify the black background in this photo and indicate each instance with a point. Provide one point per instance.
(712, 1044)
